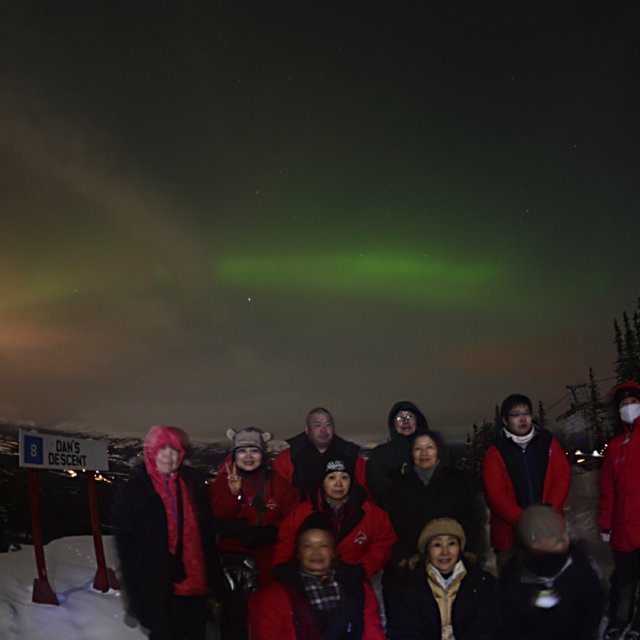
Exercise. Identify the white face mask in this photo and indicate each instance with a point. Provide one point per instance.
(630, 412)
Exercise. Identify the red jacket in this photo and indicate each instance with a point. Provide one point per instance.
(500, 493)
(279, 499)
(271, 615)
(369, 542)
(283, 464)
(620, 490)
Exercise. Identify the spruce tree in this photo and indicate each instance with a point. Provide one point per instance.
(619, 364)
(630, 350)
(476, 446)
(542, 415)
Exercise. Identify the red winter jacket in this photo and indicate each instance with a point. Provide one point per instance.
(279, 499)
(283, 465)
(271, 615)
(620, 490)
(501, 496)
(368, 542)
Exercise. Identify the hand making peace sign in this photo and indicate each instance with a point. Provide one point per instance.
(234, 481)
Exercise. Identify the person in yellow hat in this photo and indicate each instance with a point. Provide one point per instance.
(441, 594)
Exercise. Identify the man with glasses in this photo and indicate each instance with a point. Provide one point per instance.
(525, 465)
(404, 422)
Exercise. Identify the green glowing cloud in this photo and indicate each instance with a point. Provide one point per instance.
(427, 278)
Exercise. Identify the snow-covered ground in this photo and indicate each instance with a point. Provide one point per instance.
(83, 614)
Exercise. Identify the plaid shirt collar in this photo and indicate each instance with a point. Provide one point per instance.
(323, 592)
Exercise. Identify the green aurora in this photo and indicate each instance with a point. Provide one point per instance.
(434, 279)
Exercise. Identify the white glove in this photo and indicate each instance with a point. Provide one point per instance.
(605, 536)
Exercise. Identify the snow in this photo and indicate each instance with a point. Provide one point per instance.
(83, 613)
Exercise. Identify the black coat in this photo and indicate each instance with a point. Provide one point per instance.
(577, 615)
(413, 614)
(309, 464)
(450, 493)
(140, 525)
(387, 456)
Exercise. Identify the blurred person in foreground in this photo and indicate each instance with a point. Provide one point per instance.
(248, 501)
(549, 590)
(315, 596)
(619, 517)
(441, 595)
(165, 540)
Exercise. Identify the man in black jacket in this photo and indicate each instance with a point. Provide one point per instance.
(404, 422)
(303, 464)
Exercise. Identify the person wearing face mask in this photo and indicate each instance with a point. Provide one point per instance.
(524, 466)
(619, 517)
(249, 501)
(549, 590)
(404, 422)
(441, 594)
(165, 540)
(363, 531)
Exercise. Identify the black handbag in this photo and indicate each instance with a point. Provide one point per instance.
(240, 572)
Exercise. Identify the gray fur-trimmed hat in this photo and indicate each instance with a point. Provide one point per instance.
(249, 437)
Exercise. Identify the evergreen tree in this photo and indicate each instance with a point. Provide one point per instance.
(619, 364)
(542, 415)
(630, 350)
(476, 446)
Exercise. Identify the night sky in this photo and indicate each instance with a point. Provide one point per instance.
(219, 214)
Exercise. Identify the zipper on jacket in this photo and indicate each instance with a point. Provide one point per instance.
(526, 470)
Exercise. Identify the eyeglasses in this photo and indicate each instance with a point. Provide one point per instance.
(401, 417)
(520, 414)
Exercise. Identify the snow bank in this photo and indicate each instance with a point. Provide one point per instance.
(83, 614)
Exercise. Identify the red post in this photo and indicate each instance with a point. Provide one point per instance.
(105, 578)
(42, 591)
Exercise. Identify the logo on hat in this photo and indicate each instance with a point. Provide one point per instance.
(335, 465)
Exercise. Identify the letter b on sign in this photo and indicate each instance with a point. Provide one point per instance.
(33, 450)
